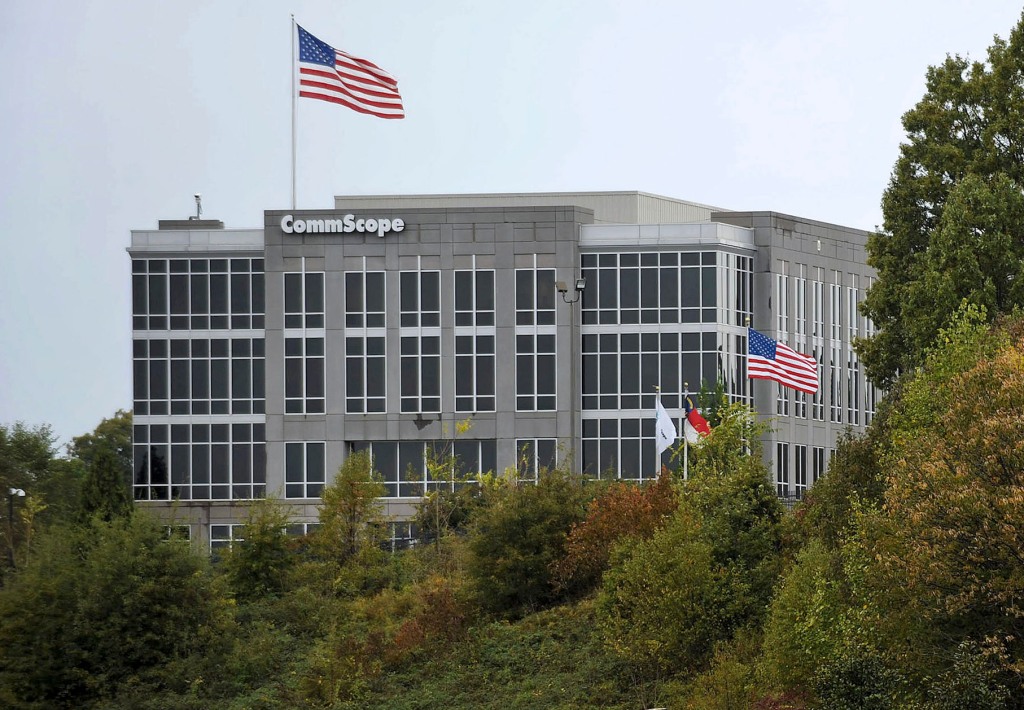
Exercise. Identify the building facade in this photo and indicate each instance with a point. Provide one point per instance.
(263, 357)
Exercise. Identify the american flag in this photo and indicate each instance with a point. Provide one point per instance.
(329, 74)
(771, 360)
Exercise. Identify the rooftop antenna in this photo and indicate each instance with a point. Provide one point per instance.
(199, 207)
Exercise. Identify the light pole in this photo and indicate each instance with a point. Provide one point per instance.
(563, 290)
(11, 493)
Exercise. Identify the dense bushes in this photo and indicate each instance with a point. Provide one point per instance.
(105, 607)
(516, 540)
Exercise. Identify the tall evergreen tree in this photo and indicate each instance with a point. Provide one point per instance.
(105, 492)
(953, 212)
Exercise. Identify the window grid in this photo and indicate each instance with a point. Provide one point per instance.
(421, 373)
(622, 448)
(535, 297)
(199, 461)
(365, 374)
(620, 371)
(657, 287)
(197, 294)
(420, 299)
(738, 279)
(782, 469)
(818, 341)
(835, 384)
(782, 395)
(474, 372)
(474, 298)
(853, 389)
(222, 537)
(535, 372)
(305, 469)
(782, 301)
(402, 464)
(365, 342)
(304, 375)
(304, 300)
(535, 339)
(800, 477)
(534, 456)
(800, 340)
(818, 466)
(818, 398)
(835, 350)
(364, 299)
(198, 376)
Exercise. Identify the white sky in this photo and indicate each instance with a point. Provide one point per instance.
(114, 113)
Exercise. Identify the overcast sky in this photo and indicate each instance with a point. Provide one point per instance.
(115, 113)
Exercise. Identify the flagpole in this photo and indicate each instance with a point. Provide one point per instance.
(657, 454)
(686, 442)
(293, 110)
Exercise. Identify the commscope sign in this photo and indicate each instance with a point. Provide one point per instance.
(348, 223)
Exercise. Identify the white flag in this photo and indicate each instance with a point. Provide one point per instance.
(664, 430)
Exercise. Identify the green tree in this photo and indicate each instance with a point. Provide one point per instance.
(258, 566)
(104, 491)
(945, 547)
(451, 498)
(515, 541)
(913, 539)
(953, 212)
(854, 477)
(106, 453)
(103, 606)
(26, 463)
(25, 454)
(711, 570)
(113, 433)
(351, 518)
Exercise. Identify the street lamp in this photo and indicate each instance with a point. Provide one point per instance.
(11, 493)
(581, 283)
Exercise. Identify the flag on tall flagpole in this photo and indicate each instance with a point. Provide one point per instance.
(664, 430)
(768, 359)
(330, 74)
(695, 426)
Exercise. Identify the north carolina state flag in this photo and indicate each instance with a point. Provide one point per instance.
(694, 426)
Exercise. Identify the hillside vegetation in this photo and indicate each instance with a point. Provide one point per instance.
(895, 584)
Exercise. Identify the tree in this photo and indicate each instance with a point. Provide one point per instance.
(258, 565)
(104, 492)
(114, 433)
(953, 213)
(26, 461)
(946, 545)
(620, 511)
(514, 542)
(106, 453)
(854, 476)
(709, 571)
(449, 503)
(102, 606)
(350, 515)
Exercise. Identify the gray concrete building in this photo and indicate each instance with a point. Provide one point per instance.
(263, 357)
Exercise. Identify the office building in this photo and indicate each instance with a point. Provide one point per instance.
(262, 357)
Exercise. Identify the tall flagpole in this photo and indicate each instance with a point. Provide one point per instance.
(294, 32)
